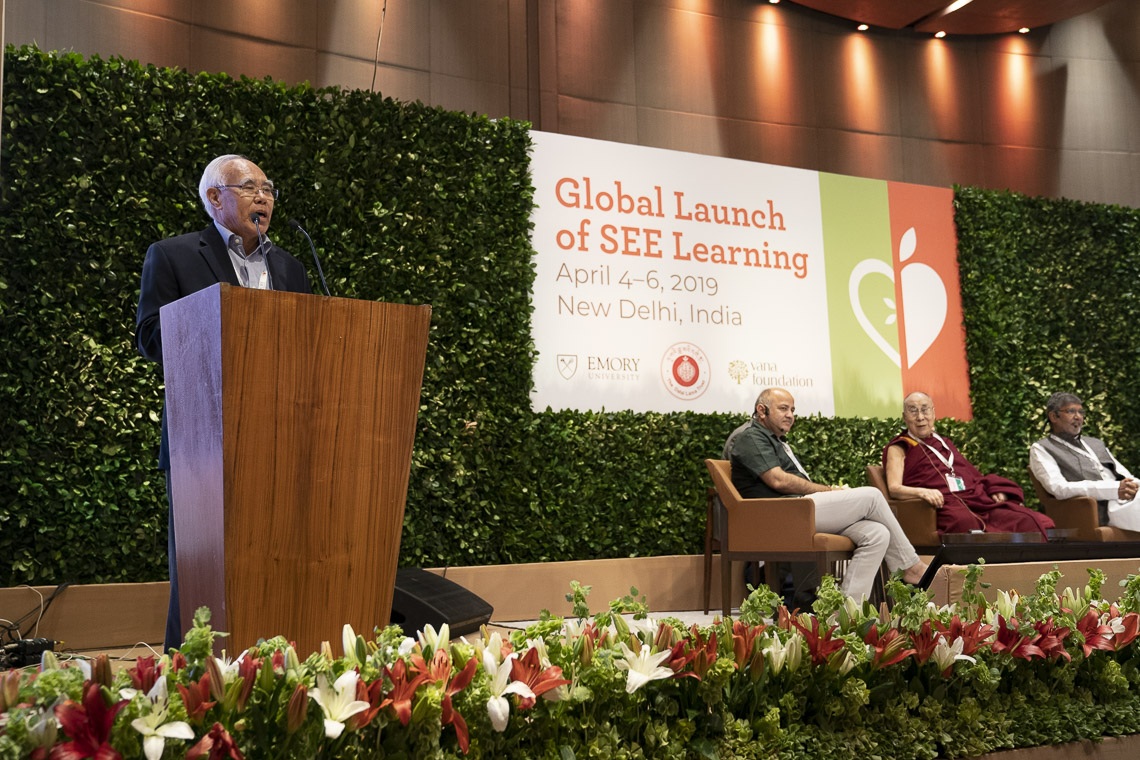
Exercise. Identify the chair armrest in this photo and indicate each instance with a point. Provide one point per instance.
(783, 524)
(1078, 512)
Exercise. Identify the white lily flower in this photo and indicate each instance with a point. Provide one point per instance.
(643, 667)
(229, 668)
(348, 644)
(572, 630)
(945, 655)
(789, 654)
(429, 638)
(44, 729)
(1006, 604)
(498, 706)
(646, 626)
(338, 703)
(846, 663)
(776, 654)
(153, 725)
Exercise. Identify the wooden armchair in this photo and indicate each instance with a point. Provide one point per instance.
(771, 530)
(918, 519)
(1079, 513)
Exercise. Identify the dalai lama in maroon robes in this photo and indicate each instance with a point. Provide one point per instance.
(921, 463)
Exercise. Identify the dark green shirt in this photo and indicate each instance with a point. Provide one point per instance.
(754, 452)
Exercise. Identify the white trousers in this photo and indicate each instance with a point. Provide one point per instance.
(863, 515)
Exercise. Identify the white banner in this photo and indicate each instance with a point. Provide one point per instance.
(670, 281)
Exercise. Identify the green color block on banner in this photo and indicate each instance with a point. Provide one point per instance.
(860, 296)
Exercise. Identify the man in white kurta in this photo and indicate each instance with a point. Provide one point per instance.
(1069, 464)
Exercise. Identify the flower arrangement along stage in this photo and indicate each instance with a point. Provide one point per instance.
(916, 681)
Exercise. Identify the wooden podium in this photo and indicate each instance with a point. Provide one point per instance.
(291, 419)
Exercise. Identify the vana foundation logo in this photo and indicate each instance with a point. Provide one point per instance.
(920, 286)
(685, 371)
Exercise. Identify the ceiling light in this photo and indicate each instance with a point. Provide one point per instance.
(940, 35)
(862, 27)
(1023, 30)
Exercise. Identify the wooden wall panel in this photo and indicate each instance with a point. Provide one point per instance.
(1055, 112)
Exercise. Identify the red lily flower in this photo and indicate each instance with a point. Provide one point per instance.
(373, 694)
(439, 672)
(890, 648)
(528, 670)
(925, 640)
(278, 661)
(744, 641)
(195, 698)
(973, 634)
(449, 716)
(1097, 634)
(145, 672)
(1011, 640)
(403, 691)
(177, 662)
(1131, 623)
(89, 726)
(1051, 639)
(216, 745)
(821, 645)
(692, 657)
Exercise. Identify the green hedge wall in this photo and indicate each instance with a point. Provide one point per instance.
(414, 204)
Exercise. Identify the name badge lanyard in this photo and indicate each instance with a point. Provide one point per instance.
(795, 461)
(952, 480)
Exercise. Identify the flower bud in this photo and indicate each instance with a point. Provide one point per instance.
(298, 709)
(101, 673)
(217, 682)
(9, 689)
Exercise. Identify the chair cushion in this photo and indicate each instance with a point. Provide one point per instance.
(831, 542)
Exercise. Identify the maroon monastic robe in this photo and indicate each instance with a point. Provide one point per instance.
(972, 508)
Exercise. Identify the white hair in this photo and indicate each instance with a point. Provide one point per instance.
(212, 177)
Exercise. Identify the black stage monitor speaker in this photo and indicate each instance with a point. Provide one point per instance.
(421, 598)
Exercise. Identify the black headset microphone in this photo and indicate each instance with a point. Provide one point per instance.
(320, 272)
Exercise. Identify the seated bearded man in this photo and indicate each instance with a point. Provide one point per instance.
(921, 463)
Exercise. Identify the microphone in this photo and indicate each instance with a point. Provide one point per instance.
(255, 217)
(297, 226)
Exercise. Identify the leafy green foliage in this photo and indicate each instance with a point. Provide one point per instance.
(419, 205)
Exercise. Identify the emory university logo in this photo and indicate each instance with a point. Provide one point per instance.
(567, 365)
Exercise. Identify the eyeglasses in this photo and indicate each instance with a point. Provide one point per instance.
(249, 189)
(1073, 412)
(915, 411)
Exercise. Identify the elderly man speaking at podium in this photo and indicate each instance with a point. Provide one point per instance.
(234, 248)
(763, 466)
(921, 463)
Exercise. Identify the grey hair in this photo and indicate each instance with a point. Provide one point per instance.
(212, 177)
(1060, 399)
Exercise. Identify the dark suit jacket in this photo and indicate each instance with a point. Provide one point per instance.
(182, 265)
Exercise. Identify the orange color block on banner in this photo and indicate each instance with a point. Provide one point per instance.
(931, 335)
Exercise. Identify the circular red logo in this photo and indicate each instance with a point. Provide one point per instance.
(685, 371)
